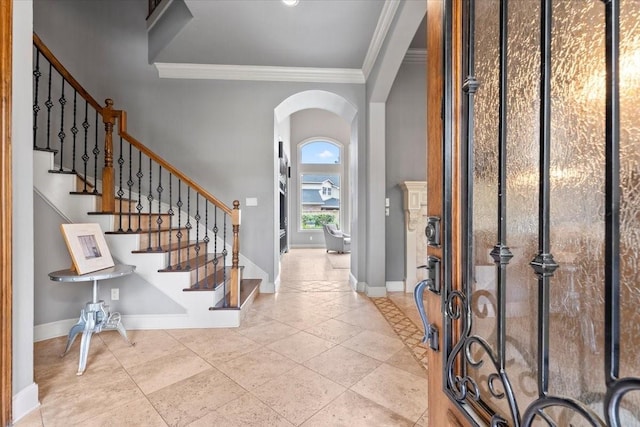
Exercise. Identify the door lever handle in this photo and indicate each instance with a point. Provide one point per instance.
(433, 270)
(430, 331)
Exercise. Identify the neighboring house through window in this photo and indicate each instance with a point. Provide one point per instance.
(320, 170)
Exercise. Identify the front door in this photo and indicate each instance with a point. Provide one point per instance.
(534, 212)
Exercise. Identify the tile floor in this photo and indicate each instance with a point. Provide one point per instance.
(314, 354)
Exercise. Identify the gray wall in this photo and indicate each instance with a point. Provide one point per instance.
(406, 155)
(22, 175)
(307, 124)
(55, 301)
(210, 130)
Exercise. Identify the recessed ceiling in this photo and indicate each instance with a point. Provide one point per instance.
(315, 33)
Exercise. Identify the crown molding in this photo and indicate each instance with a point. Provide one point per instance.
(258, 73)
(416, 56)
(382, 28)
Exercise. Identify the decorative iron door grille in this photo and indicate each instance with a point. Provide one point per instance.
(545, 327)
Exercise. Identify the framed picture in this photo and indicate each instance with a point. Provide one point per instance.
(87, 247)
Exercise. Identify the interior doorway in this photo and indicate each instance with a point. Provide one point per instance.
(296, 120)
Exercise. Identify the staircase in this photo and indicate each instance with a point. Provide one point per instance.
(181, 239)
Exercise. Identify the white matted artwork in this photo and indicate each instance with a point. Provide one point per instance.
(87, 247)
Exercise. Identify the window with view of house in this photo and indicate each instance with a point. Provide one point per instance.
(320, 175)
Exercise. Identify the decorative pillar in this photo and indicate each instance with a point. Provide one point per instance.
(415, 208)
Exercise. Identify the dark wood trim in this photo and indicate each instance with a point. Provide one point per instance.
(6, 309)
(64, 72)
(122, 131)
(109, 116)
(439, 404)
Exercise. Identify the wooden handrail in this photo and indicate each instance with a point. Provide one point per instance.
(63, 71)
(122, 128)
(109, 118)
(122, 131)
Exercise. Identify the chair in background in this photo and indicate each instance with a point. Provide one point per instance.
(336, 240)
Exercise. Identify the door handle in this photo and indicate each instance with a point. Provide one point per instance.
(433, 271)
(431, 335)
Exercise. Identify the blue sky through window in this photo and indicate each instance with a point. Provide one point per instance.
(320, 152)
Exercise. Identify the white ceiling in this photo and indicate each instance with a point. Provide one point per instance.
(317, 34)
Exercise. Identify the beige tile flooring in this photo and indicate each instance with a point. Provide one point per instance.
(314, 354)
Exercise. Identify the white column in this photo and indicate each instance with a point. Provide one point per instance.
(415, 208)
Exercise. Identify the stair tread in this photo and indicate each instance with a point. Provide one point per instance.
(48, 150)
(193, 263)
(127, 213)
(153, 230)
(168, 248)
(213, 281)
(247, 288)
(64, 172)
(85, 193)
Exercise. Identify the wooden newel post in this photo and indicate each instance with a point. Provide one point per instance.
(109, 116)
(234, 293)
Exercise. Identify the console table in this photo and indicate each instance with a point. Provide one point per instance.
(94, 317)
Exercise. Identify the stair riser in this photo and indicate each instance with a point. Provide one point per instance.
(205, 270)
(185, 253)
(211, 274)
(144, 220)
(80, 185)
(165, 238)
(212, 281)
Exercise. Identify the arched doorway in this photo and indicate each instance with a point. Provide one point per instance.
(336, 104)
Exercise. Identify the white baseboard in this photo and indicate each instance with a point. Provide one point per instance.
(47, 331)
(268, 287)
(395, 286)
(25, 401)
(376, 291)
(209, 319)
(353, 282)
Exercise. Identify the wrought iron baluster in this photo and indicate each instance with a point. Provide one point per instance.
(120, 189)
(74, 131)
(197, 247)
(49, 104)
(215, 250)
(96, 152)
(159, 220)
(171, 213)
(61, 135)
(150, 200)
(188, 226)
(179, 233)
(85, 156)
(139, 175)
(224, 258)
(130, 186)
(206, 243)
(36, 106)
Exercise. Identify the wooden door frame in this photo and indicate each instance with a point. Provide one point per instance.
(6, 295)
(442, 166)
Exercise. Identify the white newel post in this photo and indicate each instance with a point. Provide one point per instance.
(415, 208)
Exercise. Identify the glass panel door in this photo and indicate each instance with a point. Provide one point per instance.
(545, 325)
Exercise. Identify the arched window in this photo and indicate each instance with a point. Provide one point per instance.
(320, 153)
(320, 168)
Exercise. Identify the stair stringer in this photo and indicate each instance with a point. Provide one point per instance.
(56, 189)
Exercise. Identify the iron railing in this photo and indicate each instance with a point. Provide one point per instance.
(145, 194)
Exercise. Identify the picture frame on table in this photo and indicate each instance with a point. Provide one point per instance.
(87, 247)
